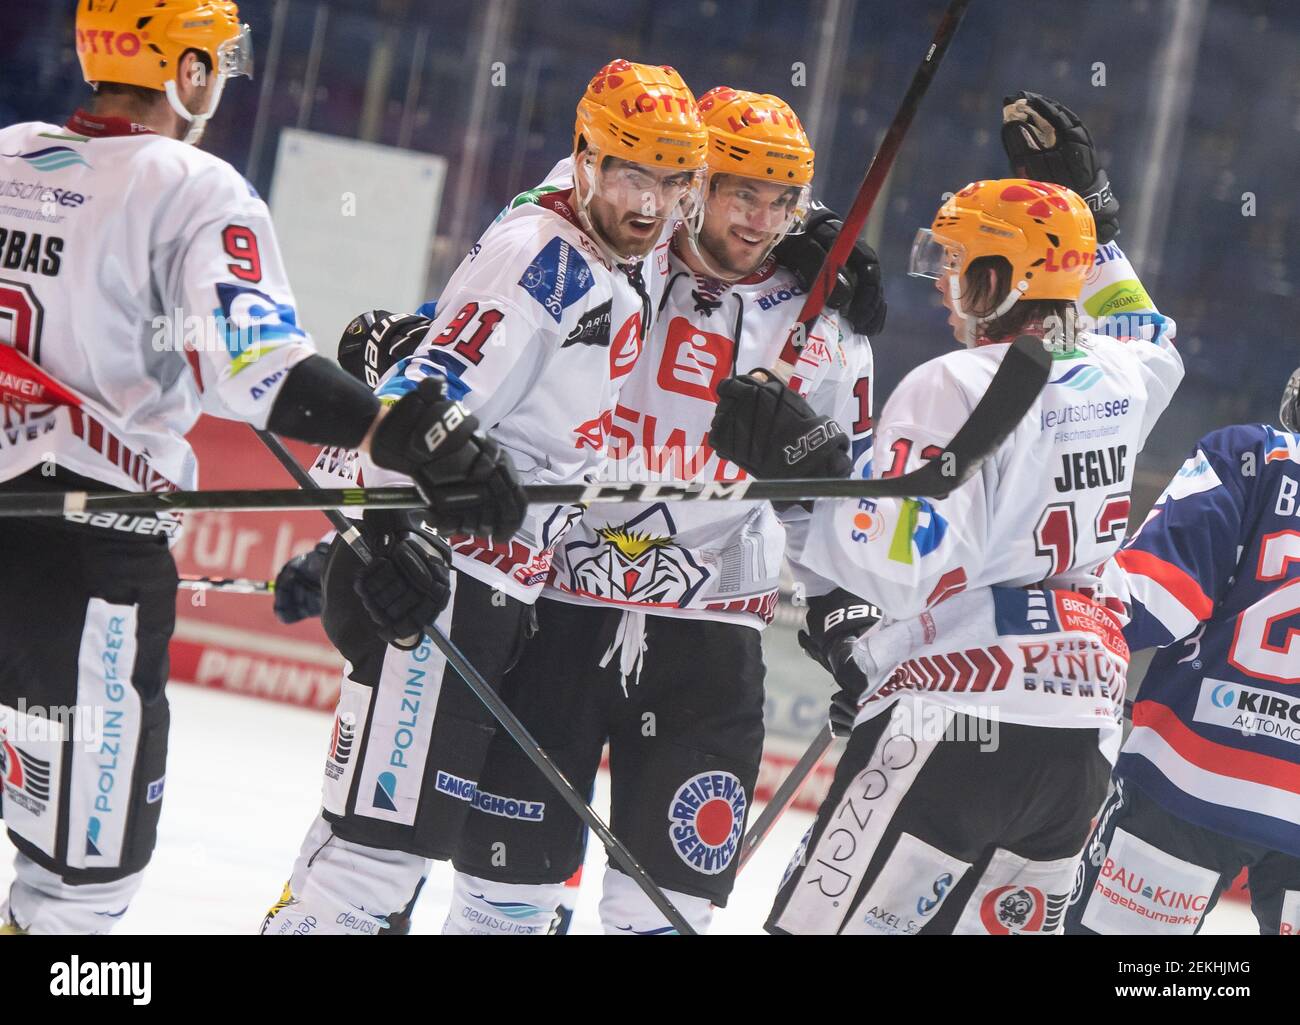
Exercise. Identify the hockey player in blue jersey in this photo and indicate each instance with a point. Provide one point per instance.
(1208, 782)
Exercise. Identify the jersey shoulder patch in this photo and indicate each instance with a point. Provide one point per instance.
(557, 277)
(1280, 446)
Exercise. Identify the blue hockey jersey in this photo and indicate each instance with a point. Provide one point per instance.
(1213, 579)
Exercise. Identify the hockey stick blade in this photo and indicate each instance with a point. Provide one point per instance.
(1010, 395)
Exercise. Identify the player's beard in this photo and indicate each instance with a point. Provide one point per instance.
(729, 256)
(616, 228)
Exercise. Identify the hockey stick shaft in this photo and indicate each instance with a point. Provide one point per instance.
(785, 794)
(824, 284)
(231, 585)
(500, 711)
(1010, 395)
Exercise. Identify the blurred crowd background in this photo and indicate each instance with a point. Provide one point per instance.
(1195, 104)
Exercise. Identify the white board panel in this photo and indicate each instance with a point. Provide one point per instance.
(355, 222)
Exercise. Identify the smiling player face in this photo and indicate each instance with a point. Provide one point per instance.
(743, 219)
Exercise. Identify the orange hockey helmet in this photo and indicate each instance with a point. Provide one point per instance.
(646, 117)
(141, 42)
(642, 113)
(756, 135)
(1044, 231)
(753, 138)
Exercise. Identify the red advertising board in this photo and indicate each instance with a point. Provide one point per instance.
(233, 641)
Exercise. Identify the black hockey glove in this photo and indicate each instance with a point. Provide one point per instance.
(1046, 141)
(297, 585)
(374, 341)
(843, 712)
(833, 622)
(859, 293)
(408, 583)
(466, 478)
(772, 433)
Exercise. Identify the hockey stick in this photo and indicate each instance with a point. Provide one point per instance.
(824, 284)
(500, 711)
(230, 585)
(785, 794)
(1020, 377)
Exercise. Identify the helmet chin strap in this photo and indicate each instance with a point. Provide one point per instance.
(197, 122)
(970, 324)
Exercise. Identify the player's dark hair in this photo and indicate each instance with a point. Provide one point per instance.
(139, 93)
(982, 293)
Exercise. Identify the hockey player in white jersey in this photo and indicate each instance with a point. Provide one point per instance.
(989, 695)
(1205, 785)
(536, 333)
(649, 628)
(140, 284)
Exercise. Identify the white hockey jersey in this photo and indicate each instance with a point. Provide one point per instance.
(535, 333)
(1044, 513)
(707, 560)
(140, 283)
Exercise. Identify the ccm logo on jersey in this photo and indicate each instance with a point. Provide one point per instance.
(438, 433)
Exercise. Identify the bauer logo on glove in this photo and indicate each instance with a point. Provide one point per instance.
(772, 433)
(438, 434)
(810, 442)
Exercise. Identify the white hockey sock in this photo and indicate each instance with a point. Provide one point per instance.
(341, 888)
(626, 911)
(481, 907)
(42, 904)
